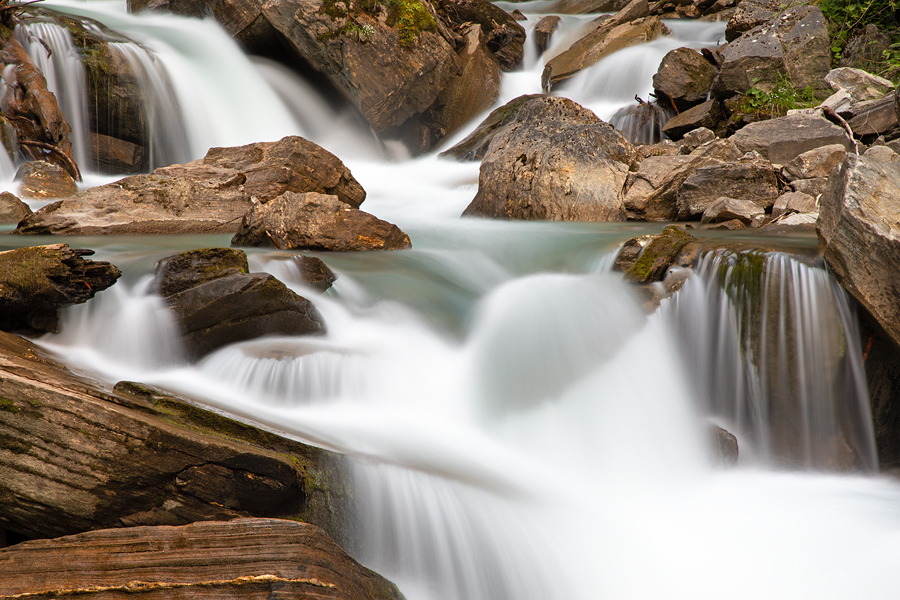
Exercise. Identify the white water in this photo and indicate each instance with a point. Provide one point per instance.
(521, 428)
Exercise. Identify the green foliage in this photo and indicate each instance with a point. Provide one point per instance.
(848, 16)
(410, 17)
(782, 98)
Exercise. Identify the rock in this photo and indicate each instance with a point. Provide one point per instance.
(752, 180)
(881, 359)
(873, 117)
(316, 222)
(814, 187)
(751, 14)
(684, 78)
(865, 49)
(663, 148)
(860, 85)
(505, 37)
(793, 223)
(475, 145)
(543, 29)
(42, 180)
(794, 202)
(658, 256)
(705, 115)
(723, 150)
(12, 210)
(77, 456)
(781, 140)
(557, 161)
(518, 15)
(117, 156)
(859, 225)
(217, 302)
(239, 559)
(631, 251)
(882, 153)
(793, 45)
(652, 193)
(730, 209)
(583, 7)
(693, 139)
(36, 281)
(209, 195)
(818, 162)
(732, 225)
(622, 30)
(313, 272)
(725, 446)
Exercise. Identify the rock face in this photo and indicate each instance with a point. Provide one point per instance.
(209, 195)
(75, 456)
(243, 558)
(12, 210)
(217, 302)
(750, 180)
(316, 222)
(684, 78)
(557, 162)
(36, 281)
(783, 139)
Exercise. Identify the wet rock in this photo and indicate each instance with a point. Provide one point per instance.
(658, 256)
(874, 117)
(751, 179)
(475, 145)
(42, 180)
(217, 302)
(783, 139)
(725, 446)
(794, 202)
(117, 156)
(630, 252)
(316, 222)
(730, 209)
(543, 30)
(313, 272)
(684, 78)
(732, 225)
(557, 161)
(861, 86)
(654, 187)
(12, 210)
(881, 359)
(35, 282)
(239, 559)
(818, 162)
(707, 114)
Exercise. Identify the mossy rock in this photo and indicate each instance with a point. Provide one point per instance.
(658, 256)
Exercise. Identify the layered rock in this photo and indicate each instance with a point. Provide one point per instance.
(243, 558)
(781, 140)
(751, 179)
(653, 188)
(707, 115)
(556, 162)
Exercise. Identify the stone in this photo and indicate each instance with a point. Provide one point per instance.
(719, 149)
(216, 302)
(12, 210)
(814, 187)
(729, 209)
(874, 117)
(684, 79)
(881, 360)
(663, 148)
(752, 180)
(117, 156)
(42, 180)
(882, 153)
(630, 252)
(725, 446)
(658, 256)
(694, 138)
(505, 37)
(209, 195)
(861, 86)
(583, 7)
(475, 145)
(794, 202)
(654, 188)
(732, 225)
(313, 272)
(558, 162)
(705, 115)
(859, 227)
(793, 223)
(865, 49)
(37, 281)
(239, 559)
(818, 162)
(751, 14)
(317, 222)
(152, 456)
(781, 140)
(543, 30)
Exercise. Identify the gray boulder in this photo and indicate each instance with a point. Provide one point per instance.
(750, 179)
(781, 140)
(874, 117)
(684, 78)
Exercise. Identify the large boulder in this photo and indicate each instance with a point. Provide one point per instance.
(209, 195)
(476, 144)
(316, 222)
(684, 78)
(781, 140)
(239, 559)
(557, 162)
(42, 180)
(35, 282)
(749, 179)
(217, 302)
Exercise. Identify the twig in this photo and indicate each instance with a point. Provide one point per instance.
(70, 164)
(832, 116)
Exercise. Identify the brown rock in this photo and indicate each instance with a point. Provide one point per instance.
(781, 140)
(658, 256)
(874, 117)
(684, 78)
(654, 188)
(631, 251)
(695, 138)
(316, 222)
(705, 115)
(752, 180)
(813, 187)
(865, 49)
(730, 209)
(505, 37)
(117, 156)
(42, 180)
(543, 29)
(796, 202)
(313, 272)
(751, 14)
(475, 145)
(818, 162)
(12, 210)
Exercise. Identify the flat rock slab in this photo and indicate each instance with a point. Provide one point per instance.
(781, 140)
(240, 559)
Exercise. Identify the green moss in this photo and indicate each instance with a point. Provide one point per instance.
(658, 256)
(408, 17)
(8, 405)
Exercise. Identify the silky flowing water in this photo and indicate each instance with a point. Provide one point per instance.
(520, 427)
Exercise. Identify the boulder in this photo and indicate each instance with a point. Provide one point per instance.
(117, 156)
(630, 252)
(707, 114)
(217, 302)
(316, 222)
(557, 161)
(794, 45)
(658, 256)
(35, 282)
(749, 179)
(76, 455)
(239, 559)
(818, 162)
(583, 7)
(859, 226)
(781, 140)
(12, 210)
(861, 86)
(475, 145)
(719, 149)
(694, 138)
(794, 202)
(792, 223)
(874, 117)
(753, 13)
(313, 272)
(654, 187)
(814, 187)
(42, 180)
(543, 30)
(730, 209)
(881, 360)
(684, 78)
(209, 195)
(882, 153)
(725, 446)
(505, 37)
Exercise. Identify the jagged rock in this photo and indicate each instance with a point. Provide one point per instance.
(792, 223)
(730, 209)
(217, 302)
(859, 225)
(750, 179)
(77, 456)
(629, 27)
(543, 30)
(654, 187)
(796, 202)
(209, 195)
(695, 138)
(557, 161)
(861, 86)
(814, 187)
(781, 140)
(707, 114)
(36, 281)
(874, 117)
(42, 180)
(658, 256)
(316, 222)
(751, 14)
(505, 37)
(12, 210)
(818, 162)
(239, 559)
(475, 145)
(793, 45)
(684, 78)
(117, 156)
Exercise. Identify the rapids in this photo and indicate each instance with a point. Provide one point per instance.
(520, 427)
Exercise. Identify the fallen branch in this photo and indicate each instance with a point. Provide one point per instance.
(837, 119)
(71, 167)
